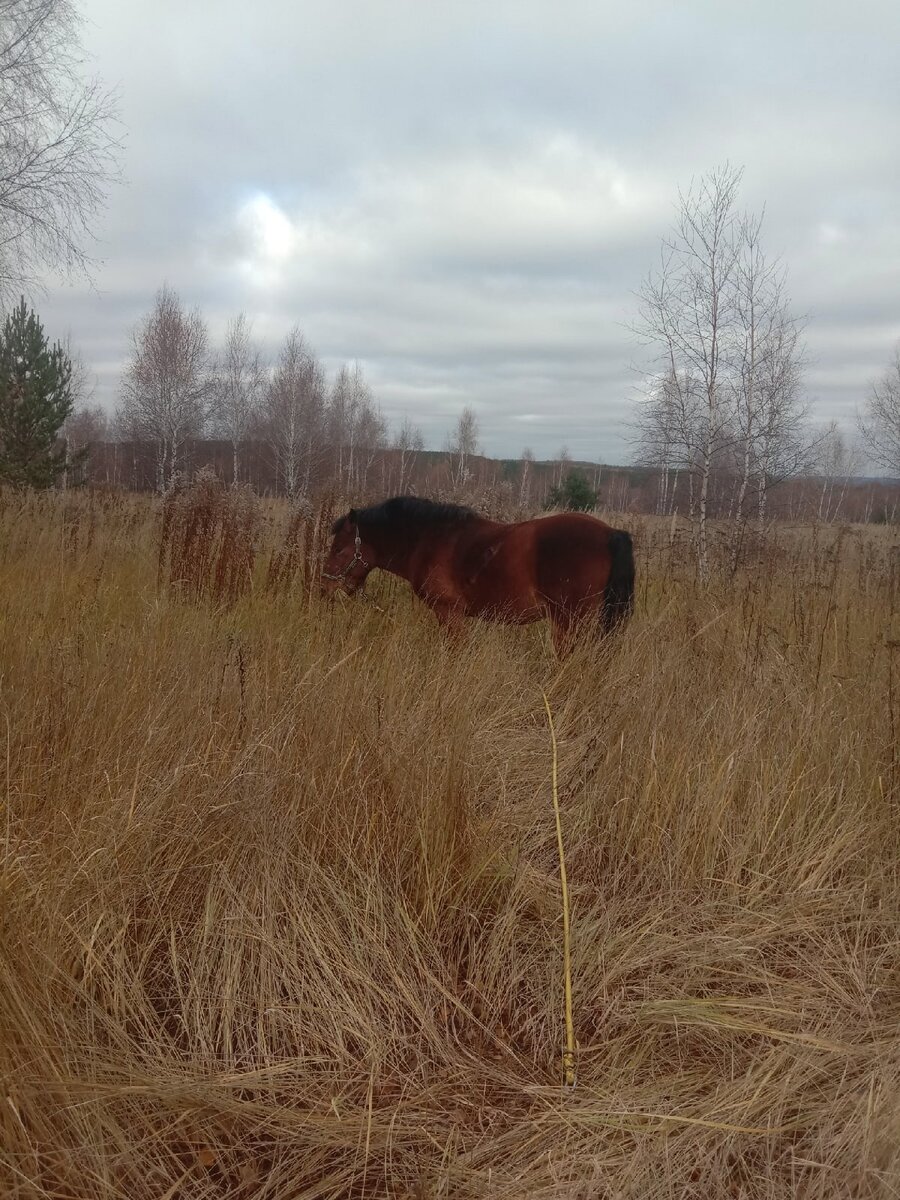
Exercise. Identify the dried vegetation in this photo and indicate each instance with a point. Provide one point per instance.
(279, 898)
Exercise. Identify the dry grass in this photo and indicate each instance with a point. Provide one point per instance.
(280, 904)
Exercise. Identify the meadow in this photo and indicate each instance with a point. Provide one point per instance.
(280, 905)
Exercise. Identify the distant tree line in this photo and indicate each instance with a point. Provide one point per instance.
(285, 429)
(177, 388)
(723, 431)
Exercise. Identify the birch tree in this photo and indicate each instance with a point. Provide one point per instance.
(58, 148)
(687, 313)
(462, 445)
(727, 388)
(88, 424)
(167, 387)
(342, 416)
(770, 436)
(86, 427)
(371, 439)
(880, 422)
(563, 463)
(526, 466)
(294, 414)
(356, 427)
(668, 434)
(838, 460)
(784, 445)
(240, 385)
(408, 441)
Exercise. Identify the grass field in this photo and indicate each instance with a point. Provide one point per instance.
(279, 892)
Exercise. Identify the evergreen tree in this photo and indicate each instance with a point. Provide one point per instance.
(35, 399)
(575, 494)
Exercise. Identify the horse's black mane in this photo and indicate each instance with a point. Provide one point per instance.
(409, 510)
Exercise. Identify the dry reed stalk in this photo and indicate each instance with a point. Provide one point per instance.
(569, 1051)
(207, 540)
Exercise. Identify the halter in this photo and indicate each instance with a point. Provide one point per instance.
(357, 558)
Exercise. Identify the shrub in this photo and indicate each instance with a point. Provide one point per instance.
(574, 494)
(207, 541)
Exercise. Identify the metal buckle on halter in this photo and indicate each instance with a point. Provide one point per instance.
(357, 558)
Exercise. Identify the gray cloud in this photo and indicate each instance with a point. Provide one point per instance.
(466, 198)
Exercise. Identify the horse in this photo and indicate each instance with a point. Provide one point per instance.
(565, 567)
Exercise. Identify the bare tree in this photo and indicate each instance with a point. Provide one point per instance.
(769, 437)
(168, 383)
(757, 287)
(349, 394)
(356, 427)
(527, 464)
(87, 424)
(880, 423)
(463, 444)
(688, 314)
(240, 384)
(294, 414)
(563, 463)
(668, 432)
(784, 445)
(409, 442)
(57, 149)
(838, 462)
(728, 393)
(85, 429)
(341, 422)
(371, 437)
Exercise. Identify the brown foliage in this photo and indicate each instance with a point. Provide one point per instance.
(207, 540)
(297, 557)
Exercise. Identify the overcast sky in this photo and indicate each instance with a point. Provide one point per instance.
(464, 197)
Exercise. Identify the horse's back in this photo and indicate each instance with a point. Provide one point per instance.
(568, 534)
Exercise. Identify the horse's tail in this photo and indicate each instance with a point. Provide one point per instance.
(618, 595)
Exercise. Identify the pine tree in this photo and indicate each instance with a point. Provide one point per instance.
(574, 493)
(35, 399)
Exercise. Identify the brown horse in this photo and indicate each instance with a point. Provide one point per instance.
(564, 567)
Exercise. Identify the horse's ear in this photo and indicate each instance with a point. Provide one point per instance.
(351, 516)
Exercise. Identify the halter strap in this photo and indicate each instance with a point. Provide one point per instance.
(357, 558)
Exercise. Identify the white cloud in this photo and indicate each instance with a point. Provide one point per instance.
(465, 197)
(831, 234)
(269, 235)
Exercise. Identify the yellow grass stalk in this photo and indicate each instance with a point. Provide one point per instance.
(569, 1052)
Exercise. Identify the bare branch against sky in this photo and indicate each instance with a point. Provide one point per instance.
(880, 421)
(468, 211)
(58, 152)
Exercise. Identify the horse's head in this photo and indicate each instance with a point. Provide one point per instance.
(349, 560)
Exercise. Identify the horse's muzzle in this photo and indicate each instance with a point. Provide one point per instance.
(347, 584)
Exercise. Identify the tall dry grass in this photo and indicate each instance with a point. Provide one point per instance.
(280, 904)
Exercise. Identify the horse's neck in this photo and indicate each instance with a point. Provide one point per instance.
(391, 553)
(412, 551)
